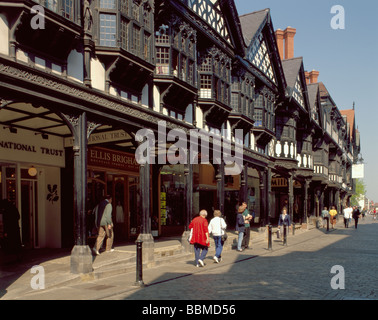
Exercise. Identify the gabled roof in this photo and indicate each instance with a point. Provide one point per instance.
(313, 93)
(324, 94)
(294, 70)
(257, 25)
(350, 115)
(252, 22)
(291, 69)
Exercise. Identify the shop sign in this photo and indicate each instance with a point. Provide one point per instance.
(102, 157)
(101, 137)
(30, 148)
(279, 182)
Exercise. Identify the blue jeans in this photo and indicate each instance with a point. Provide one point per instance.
(240, 239)
(218, 246)
(200, 252)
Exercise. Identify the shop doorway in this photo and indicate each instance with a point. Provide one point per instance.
(29, 214)
(124, 191)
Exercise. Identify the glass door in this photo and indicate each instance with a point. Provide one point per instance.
(120, 207)
(29, 214)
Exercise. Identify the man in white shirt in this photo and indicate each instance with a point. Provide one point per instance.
(347, 216)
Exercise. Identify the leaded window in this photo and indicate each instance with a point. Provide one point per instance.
(129, 28)
(107, 4)
(258, 117)
(135, 48)
(125, 6)
(68, 9)
(297, 93)
(124, 34)
(206, 86)
(175, 52)
(108, 30)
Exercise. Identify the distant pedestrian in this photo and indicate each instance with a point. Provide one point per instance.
(363, 213)
(347, 216)
(200, 237)
(325, 216)
(356, 215)
(217, 226)
(240, 227)
(104, 224)
(283, 221)
(333, 214)
(247, 224)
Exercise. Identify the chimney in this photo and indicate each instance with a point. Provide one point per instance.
(280, 42)
(307, 75)
(314, 76)
(289, 34)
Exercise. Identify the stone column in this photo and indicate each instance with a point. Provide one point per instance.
(188, 205)
(220, 186)
(81, 255)
(145, 207)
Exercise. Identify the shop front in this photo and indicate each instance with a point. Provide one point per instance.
(172, 201)
(115, 173)
(30, 180)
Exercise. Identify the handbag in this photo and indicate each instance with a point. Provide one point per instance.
(190, 235)
(224, 236)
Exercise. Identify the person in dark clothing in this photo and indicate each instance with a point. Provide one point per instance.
(240, 227)
(356, 215)
(11, 241)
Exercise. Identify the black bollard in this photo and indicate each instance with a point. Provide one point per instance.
(327, 224)
(285, 235)
(270, 227)
(293, 228)
(139, 265)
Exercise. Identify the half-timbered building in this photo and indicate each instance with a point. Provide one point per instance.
(89, 87)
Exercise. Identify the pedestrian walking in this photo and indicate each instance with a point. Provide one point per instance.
(356, 215)
(333, 214)
(104, 224)
(240, 227)
(200, 237)
(283, 221)
(347, 216)
(247, 226)
(325, 216)
(217, 227)
(363, 213)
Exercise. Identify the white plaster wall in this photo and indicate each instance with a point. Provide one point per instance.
(50, 214)
(4, 35)
(199, 118)
(156, 102)
(97, 74)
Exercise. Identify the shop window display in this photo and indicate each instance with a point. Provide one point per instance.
(172, 196)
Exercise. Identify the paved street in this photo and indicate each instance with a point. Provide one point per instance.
(301, 270)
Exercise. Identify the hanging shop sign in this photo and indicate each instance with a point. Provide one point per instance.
(101, 157)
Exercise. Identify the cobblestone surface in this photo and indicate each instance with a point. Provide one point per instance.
(300, 270)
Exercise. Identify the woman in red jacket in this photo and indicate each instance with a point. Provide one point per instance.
(200, 237)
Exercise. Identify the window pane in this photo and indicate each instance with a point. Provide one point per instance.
(108, 30)
(107, 4)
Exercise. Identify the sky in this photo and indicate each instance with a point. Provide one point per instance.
(347, 59)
